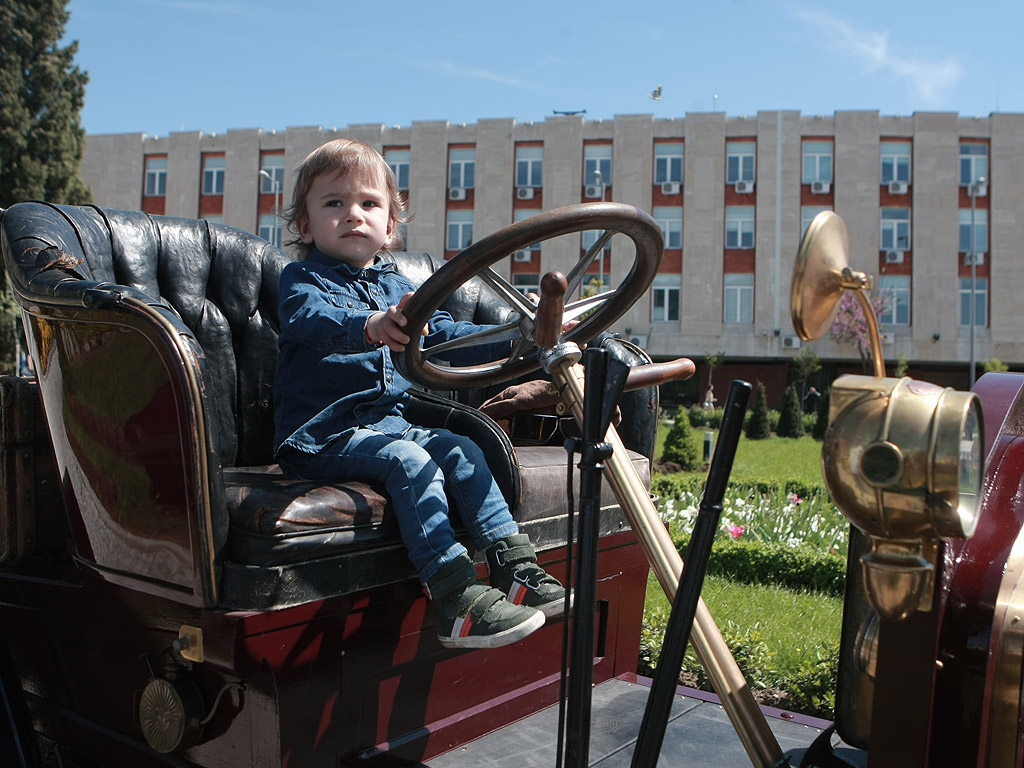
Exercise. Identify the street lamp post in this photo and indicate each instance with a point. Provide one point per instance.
(975, 190)
(599, 177)
(275, 187)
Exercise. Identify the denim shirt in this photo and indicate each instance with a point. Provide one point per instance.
(330, 379)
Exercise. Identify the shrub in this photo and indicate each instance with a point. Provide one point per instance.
(758, 427)
(754, 562)
(791, 420)
(680, 446)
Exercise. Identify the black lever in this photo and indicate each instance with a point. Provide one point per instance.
(684, 606)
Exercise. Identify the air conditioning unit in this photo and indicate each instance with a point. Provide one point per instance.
(791, 342)
(898, 187)
(820, 188)
(457, 193)
(593, 191)
(522, 256)
(524, 193)
(670, 188)
(744, 187)
(640, 341)
(894, 257)
(887, 338)
(976, 259)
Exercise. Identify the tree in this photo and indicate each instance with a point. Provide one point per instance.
(791, 416)
(807, 364)
(680, 447)
(41, 95)
(41, 137)
(994, 365)
(758, 425)
(713, 360)
(851, 327)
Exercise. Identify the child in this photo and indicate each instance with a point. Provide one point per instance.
(339, 402)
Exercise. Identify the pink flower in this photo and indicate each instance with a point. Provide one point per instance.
(736, 530)
(794, 499)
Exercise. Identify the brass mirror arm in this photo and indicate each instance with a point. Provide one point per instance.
(876, 342)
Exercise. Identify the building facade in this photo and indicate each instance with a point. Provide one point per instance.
(931, 202)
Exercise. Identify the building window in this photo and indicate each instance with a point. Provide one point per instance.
(590, 237)
(739, 161)
(665, 295)
(273, 165)
(524, 213)
(398, 159)
(980, 301)
(597, 157)
(895, 234)
(668, 163)
(980, 230)
(215, 219)
(213, 174)
(460, 229)
(670, 219)
(270, 228)
(739, 298)
(895, 161)
(895, 293)
(156, 176)
(973, 163)
(807, 214)
(817, 161)
(527, 283)
(461, 168)
(529, 166)
(739, 226)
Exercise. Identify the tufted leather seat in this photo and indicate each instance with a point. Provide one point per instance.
(198, 303)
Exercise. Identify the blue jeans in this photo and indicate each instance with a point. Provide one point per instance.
(421, 470)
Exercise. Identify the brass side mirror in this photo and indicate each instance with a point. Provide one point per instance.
(820, 275)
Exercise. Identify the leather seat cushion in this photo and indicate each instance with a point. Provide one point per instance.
(275, 521)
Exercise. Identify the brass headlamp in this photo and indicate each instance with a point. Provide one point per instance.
(902, 460)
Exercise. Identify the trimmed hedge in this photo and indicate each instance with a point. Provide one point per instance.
(674, 486)
(753, 562)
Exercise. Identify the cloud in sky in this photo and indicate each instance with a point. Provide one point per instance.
(456, 70)
(929, 80)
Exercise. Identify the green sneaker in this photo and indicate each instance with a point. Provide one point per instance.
(512, 564)
(473, 615)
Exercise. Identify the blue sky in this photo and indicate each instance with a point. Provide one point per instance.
(158, 66)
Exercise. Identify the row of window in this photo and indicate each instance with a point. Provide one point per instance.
(738, 298)
(668, 163)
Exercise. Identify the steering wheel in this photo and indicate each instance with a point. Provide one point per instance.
(595, 313)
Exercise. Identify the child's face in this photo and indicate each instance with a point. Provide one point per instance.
(347, 217)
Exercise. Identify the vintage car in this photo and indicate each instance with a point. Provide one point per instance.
(168, 598)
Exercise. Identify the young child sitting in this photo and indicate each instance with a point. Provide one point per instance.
(339, 402)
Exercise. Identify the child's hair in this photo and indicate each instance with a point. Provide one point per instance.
(346, 156)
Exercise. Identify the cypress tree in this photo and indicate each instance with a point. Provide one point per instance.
(758, 426)
(41, 95)
(680, 447)
(791, 417)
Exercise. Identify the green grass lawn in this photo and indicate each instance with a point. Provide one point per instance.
(784, 640)
(780, 457)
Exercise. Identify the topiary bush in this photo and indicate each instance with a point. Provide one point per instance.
(758, 426)
(791, 419)
(680, 446)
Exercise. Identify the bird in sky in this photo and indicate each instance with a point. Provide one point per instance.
(655, 94)
(570, 112)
